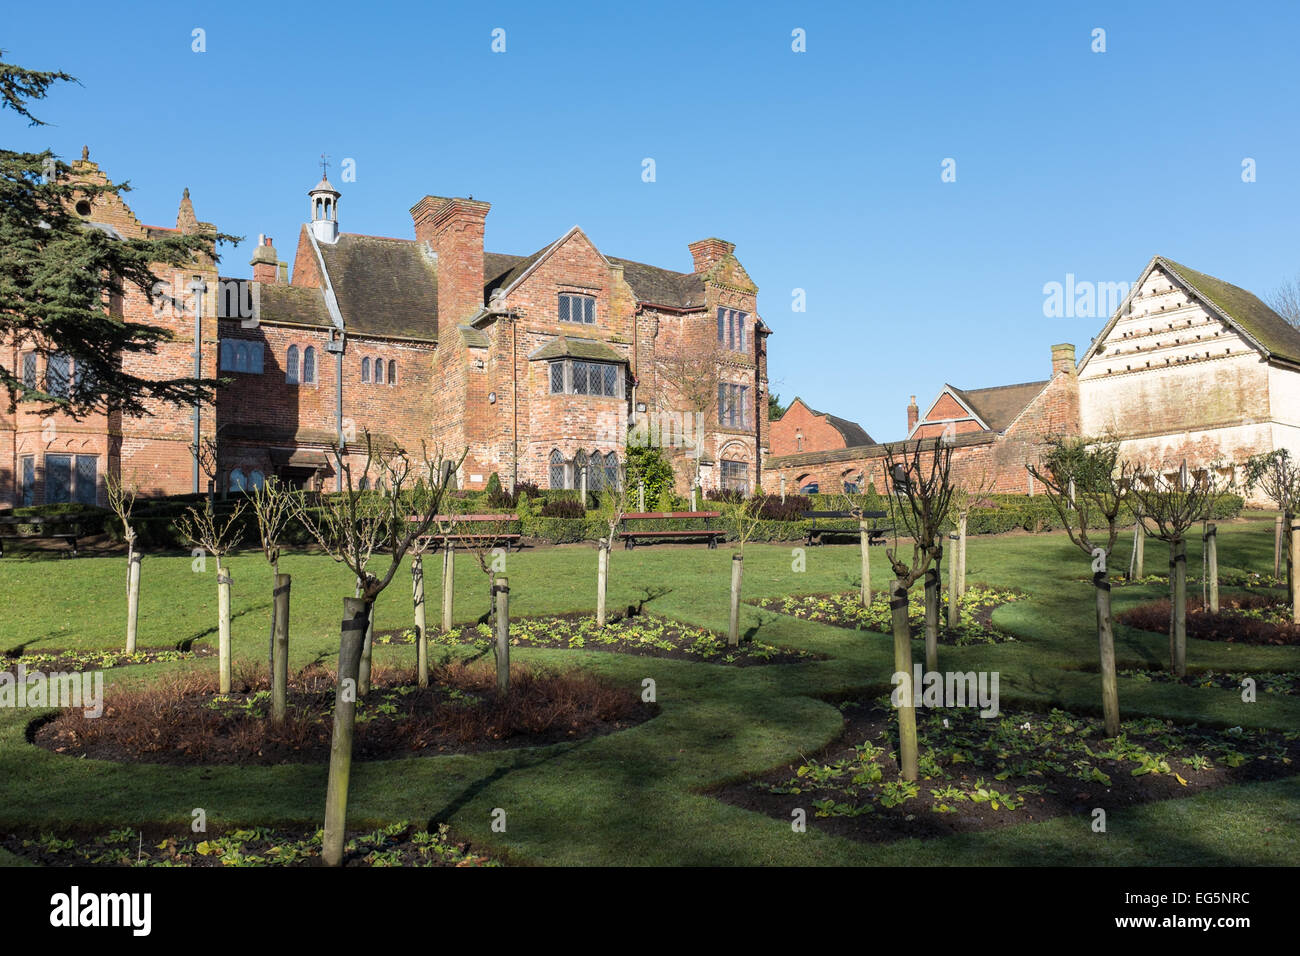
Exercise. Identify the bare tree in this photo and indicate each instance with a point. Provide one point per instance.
(206, 453)
(1169, 508)
(121, 500)
(614, 502)
(920, 497)
(270, 501)
(694, 379)
(743, 520)
(1088, 485)
(1277, 475)
(1285, 301)
(217, 536)
(371, 515)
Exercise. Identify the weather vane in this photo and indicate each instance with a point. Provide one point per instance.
(324, 166)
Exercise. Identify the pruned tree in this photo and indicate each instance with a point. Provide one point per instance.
(614, 503)
(1277, 475)
(121, 499)
(383, 510)
(217, 535)
(743, 520)
(271, 505)
(968, 492)
(1170, 506)
(921, 495)
(1088, 485)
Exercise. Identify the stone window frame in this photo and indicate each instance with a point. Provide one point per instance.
(564, 306)
(608, 390)
(733, 396)
(732, 329)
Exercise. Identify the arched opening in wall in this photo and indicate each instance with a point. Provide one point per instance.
(611, 471)
(555, 468)
(291, 365)
(365, 370)
(733, 468)
(852, 479)
(392, 371)
(379, 371)
(256, 480)
(596, 472)
(579, 468)
(238, 483)
(798, 441)
(309, 366)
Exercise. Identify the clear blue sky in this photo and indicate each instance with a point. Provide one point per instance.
(823, 167)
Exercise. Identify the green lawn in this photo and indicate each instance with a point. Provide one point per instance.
(637, 796)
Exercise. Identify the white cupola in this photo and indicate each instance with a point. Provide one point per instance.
(324, 211)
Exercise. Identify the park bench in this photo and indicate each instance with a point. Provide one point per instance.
(816, 534)
(631, 535)
(46, 529)
(487, 536)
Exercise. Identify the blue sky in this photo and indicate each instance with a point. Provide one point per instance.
(824, 167)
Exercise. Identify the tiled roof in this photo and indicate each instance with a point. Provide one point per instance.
(999, 406)
(383, 286)
(852, 433)
(563, 346)
(300, 305)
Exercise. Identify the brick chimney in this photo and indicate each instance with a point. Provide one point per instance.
(913, 413)
(265, 262)
(708, 252)
(453, 230)
(1062, 359)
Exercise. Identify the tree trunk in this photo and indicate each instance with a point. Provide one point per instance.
(223, 628)
(1106, 642)
(280, 661)
(954, 602)
(737, 572)
(132, 600)
(932, 618)
(907, 759)
(1295, 579)
(448, 585)
(1178, 611)
(864, 542)
(602, 580)
(501, 593)
(961, 556)
(367, 648)
(421, 634)
(1212, 565)
(356, 614)
(1139, 548)
(640, 497)
(1279, 536)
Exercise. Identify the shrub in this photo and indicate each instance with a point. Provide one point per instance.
(646, 463)
(563, 508)
(792, 509)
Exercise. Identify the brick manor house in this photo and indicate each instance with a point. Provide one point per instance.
(535, 366)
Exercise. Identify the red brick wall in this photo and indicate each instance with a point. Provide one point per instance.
(799, 422)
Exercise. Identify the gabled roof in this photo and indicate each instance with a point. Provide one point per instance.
(852, 433)
(655, 286)
(299, 305)
(1242, 310)
(385, 287)
(564, 346)
(1001, 405)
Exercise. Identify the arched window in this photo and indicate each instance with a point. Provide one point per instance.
(291, 365)
(365, 370)
(242, 357)
(392, 371)
(580, 469)
(309, 366)
(556, 462)
(379, 371)
(256, 480)
(237, 480)
(595, 471)
(611, 471)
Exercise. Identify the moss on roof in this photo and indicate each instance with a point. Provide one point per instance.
(562, 346)
(1274, 333)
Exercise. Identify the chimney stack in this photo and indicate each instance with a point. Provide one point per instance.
(1062, 359)
(913, 413)
(264, 262)
(453, 230)
(709, 252)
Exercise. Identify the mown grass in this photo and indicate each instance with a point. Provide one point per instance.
(640, 796)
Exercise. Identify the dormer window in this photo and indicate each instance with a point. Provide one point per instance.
(577, 308)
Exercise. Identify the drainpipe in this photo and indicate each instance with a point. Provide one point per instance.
(338, 410)
(199, 287)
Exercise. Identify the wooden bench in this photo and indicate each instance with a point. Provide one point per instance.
(630, 535)
(44, 523)
(510, 538)
(816, 534)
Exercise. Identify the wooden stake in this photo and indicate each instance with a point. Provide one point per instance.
(367, 648)
(932, 618)
(1139, 550)
(907, 758)
(602, 580)
(1279, 535)
(448, 585)
(1178, 613)
(954, 602)
(280, 660)
(501, 590)
(961, 556)
(864, 543)
(640, 497)
(1212, 565)
(132, 600)
(1106, 645)
(421, 634)
(223, 628)
(737, 572)
(355, 616)
(1295, 578)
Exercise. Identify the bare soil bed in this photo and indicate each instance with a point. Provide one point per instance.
(184, 721)
(1242, 619)
(72, 660)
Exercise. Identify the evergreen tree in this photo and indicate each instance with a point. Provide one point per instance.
(59, 278)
